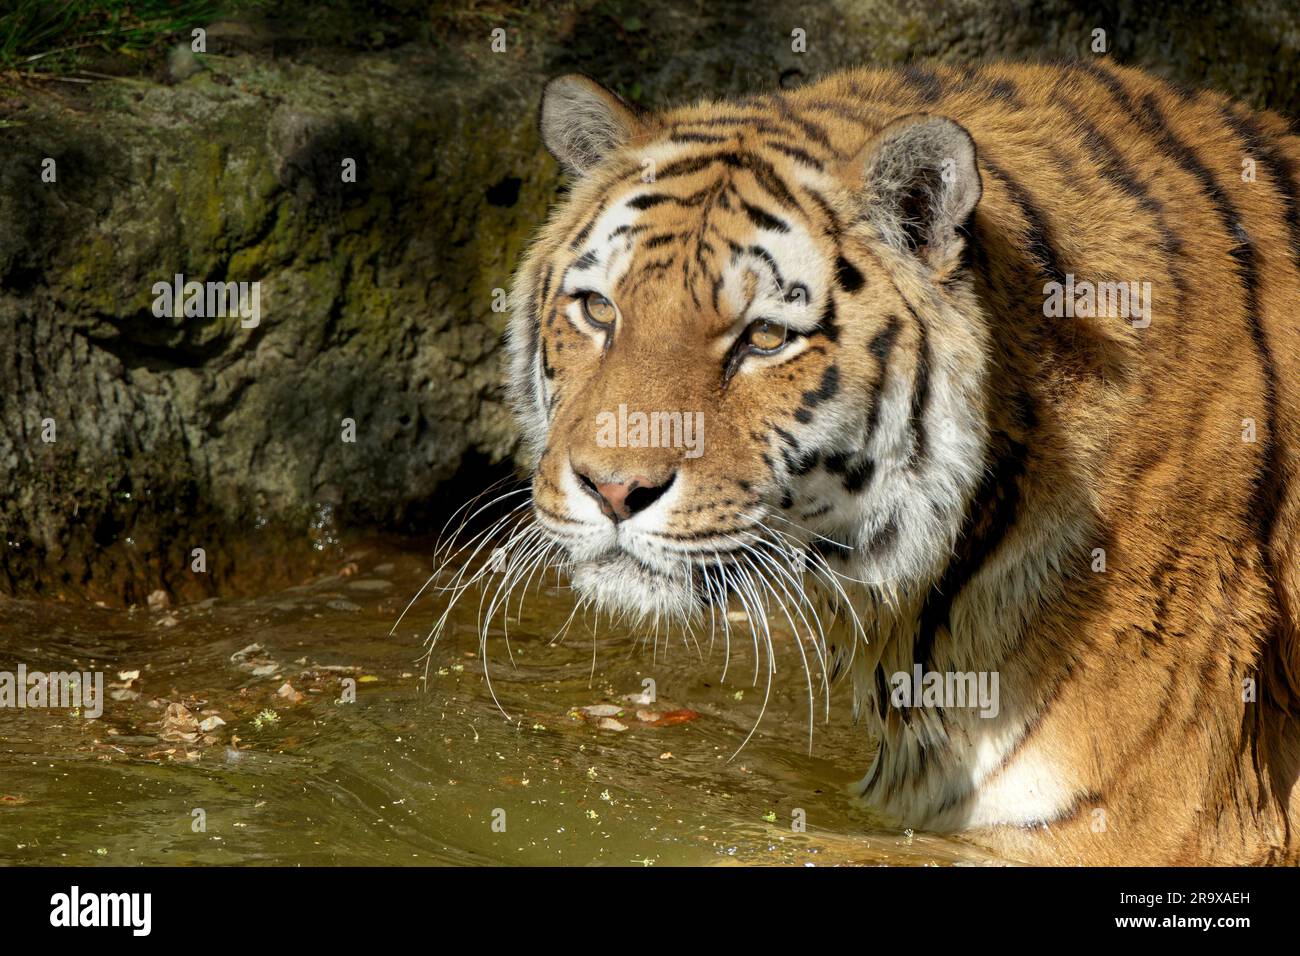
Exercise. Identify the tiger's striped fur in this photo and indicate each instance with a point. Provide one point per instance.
(930, 432)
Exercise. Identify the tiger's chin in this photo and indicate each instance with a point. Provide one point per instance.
(623, 586)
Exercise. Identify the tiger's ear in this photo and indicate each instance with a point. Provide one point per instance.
(582, 122)
(921, 185)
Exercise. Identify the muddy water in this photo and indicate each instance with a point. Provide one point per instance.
(239, 742)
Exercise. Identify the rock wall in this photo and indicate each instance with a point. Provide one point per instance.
(376, 296)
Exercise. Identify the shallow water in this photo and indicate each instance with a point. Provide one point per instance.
(412, 771)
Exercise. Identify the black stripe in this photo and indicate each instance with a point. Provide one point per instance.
(766, 256)
(920, 392)
(1005, 90)
(991, 516)
(696, 138)
(688, 201)
(882, 343)
(534, 326)
(814, 131)
(763, 172)
(1107, 157)
(1280, 170)
(1114, 168)
(646, 273)
(1002, 90)
(925, 83)
(688, 285)
(535, 318)
(1243, 250)
(663, 239)
(847, 275)
(766, 176)
(693, 164)
(581, 237)
(1268, 490)
(648, 200)
(798, 155)
(833, 228)
(1111, 82)
(827, 325)
(626, 228)
(547, 369)
(1038, 238)
(762, 219)
(853, 474)
(797, 461)
(1151, 119)
(760, 127)
(1268, 486)
(805, 464)
(825, 391)
(843, 109)
(761, 124)
(585, 231)
(660, 264)
(546, 286)
(882, 704)
(881, 346)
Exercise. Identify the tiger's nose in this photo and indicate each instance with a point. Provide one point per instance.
(620, 500)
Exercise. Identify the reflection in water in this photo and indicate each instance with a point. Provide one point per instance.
(239, 741)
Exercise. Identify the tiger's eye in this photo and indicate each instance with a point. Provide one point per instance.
(598, 309)
(764, 336)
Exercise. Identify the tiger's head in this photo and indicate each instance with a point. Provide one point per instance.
(745, 345)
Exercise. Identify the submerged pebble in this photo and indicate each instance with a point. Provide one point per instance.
(602, 710)
(370, 584)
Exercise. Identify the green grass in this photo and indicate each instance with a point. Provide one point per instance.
(58, 36)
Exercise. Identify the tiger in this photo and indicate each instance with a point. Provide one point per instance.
(997, 371)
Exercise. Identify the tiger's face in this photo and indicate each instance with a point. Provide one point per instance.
(738, 357)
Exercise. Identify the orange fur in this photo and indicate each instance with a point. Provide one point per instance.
(1123, 688)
